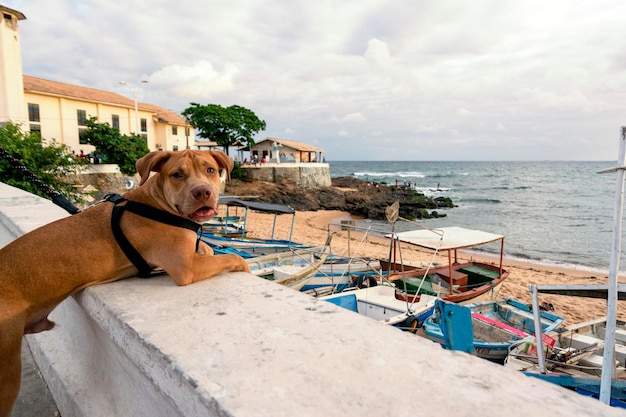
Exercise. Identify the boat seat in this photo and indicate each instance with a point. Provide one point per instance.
(478, 275)
(347, 301)
(458, 278)
(620, 335)
(620, 353)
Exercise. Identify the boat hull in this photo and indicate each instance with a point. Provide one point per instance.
(471, 281)
(495, 325)
(577, 352)
(292, 269)
(379, 303)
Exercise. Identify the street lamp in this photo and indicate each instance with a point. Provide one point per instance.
(135, 93)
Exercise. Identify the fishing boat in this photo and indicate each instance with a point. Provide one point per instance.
(292, 268)
(231, 226)
(458, 282)
(251, 247)
(379, 303)
(238, 242)
(489, 327)
(339, 273)
(573, 358)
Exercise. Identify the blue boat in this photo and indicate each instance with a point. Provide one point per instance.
(487, 328)
(223, 243)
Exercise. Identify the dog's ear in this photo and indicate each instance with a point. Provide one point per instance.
(224, 161)
(152, 161)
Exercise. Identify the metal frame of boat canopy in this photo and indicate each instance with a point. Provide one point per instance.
(449, 239)
(275, 209)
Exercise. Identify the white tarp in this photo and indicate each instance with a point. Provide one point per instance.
(447, 238)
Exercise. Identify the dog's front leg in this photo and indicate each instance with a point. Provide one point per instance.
(201, 266)
(10, 365)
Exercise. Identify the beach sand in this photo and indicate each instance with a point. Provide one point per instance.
(311, 227)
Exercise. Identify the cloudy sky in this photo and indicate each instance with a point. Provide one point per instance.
(362, 79)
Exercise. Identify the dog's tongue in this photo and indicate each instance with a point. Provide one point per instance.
(204, 212)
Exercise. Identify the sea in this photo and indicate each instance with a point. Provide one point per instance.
(550, 212)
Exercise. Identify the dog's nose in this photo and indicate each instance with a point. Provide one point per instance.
(201, 192)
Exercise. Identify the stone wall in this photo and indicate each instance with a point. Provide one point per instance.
(238, 345)
(106, 178)
(312, 175)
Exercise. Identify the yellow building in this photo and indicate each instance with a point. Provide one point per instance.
(59, 111)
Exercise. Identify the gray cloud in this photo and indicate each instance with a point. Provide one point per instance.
(365, 80)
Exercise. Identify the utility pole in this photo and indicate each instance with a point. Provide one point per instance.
(135, 94)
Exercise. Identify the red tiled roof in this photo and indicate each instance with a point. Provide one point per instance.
(299, 146)
(41, 86)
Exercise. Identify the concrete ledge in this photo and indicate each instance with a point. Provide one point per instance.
(237, 345)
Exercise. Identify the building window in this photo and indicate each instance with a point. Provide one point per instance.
(81, 115)
(174, 130)
(81, 136)
(35, 128)
(175, 148)
(144, 125)
(9, 21)
(34, 118)
(33, 112)
(115, 121)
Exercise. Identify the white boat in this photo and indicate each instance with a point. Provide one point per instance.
(573, 358)
(380, 303)
(339, 273)
(292, 268)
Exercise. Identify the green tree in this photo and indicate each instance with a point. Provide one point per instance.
(117, 148)
(228, 126)
(52, 163)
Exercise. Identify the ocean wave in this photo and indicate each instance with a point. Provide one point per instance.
(401, 174)
(480, 200)
(547, 262)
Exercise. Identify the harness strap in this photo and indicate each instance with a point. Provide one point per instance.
(149, 212)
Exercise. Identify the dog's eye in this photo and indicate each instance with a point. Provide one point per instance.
(178, 175)
(210, 170)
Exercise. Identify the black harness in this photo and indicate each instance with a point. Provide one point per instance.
(149, 212)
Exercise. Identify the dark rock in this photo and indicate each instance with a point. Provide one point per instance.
(359, 198)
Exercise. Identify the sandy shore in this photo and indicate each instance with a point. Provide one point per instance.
(313, 228)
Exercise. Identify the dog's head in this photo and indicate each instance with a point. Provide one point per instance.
(189, 181)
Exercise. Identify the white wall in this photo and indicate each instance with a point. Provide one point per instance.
(238, 345)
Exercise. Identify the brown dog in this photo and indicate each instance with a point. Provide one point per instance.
(43, 267)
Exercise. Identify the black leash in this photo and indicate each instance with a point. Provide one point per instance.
(122, 204)
(56, 197)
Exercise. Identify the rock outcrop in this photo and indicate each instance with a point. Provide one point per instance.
(355, 196)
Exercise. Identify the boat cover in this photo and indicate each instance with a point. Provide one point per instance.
(257, 206)
(446, 238)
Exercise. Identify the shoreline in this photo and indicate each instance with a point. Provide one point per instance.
(312, 227)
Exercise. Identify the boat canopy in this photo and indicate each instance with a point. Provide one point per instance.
(446, 238)
(257, 206)
(275, 209)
